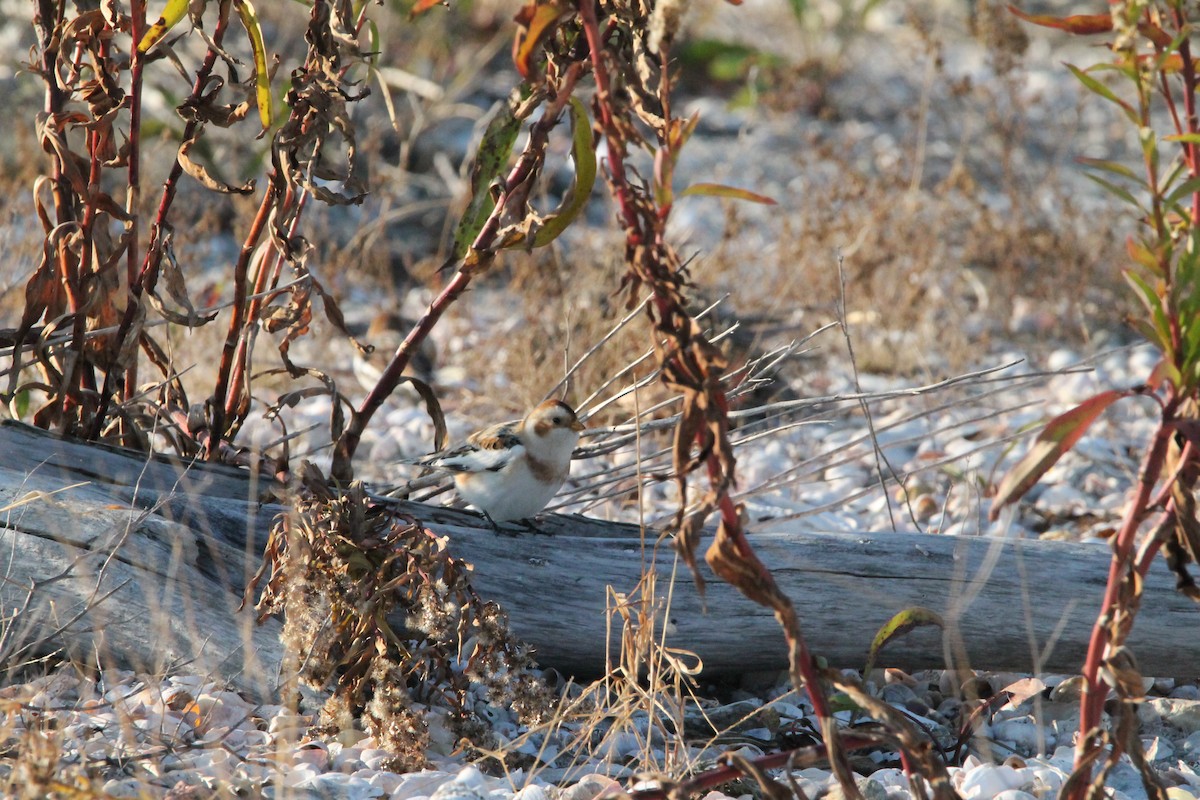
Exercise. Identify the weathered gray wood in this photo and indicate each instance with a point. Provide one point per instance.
(1002, 596)
(128, 561)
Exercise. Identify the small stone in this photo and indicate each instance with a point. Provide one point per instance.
(587, 788)
(869, 788)
(125, 787)
(1186, 692)
(890, 778)
(1190, 747)
(314, 753)
(288, 726)
(1023, 733)
(898, 694)
(1157, 748)
(374, 758)
(1069, 690)
(350, 737)
(988, 780)
(740, 716)
(1181, 714)
(466, 785)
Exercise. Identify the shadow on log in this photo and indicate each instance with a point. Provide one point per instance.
(140, 561)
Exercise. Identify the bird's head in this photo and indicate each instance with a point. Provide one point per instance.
(552, 430)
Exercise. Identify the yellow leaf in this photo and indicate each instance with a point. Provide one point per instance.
(262, 78)
(900, 624)
(720, 190)
(175, 11)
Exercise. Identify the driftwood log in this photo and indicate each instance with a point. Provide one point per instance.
(141, 561)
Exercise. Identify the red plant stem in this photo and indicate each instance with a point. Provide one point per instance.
(1186, 455)
(78, 271)
(137, 10)
(802, 664)
(1188, 72)
(239, 371)
(68, 394)
(1094, 690)
(730, 770)
(263, 275)
(616, 152)
(147, 278)
(46, 20)
(348, 442)
(220, 412)
(1163, 499)
(479, 257)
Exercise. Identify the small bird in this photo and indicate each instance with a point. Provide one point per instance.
(511, 470)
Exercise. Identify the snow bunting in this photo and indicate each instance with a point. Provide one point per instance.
(510, 471)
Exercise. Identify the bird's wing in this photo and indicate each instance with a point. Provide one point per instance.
(500, 436)
(488, 450)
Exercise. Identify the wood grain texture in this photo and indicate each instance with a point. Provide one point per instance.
(187, 537)
(132, 562)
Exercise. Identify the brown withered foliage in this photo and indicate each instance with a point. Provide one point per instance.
(376, 610)
(100, 289)
(633, 86)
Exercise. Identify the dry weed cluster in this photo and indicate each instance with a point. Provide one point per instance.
(379, 613)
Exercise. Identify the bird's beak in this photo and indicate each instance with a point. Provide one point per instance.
(578, 426)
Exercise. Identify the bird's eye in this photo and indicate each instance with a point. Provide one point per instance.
(558, 420)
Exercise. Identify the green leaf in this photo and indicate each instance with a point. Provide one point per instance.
(490, 159)
(1181, 191)
(720, 190)
(842, 702)
(1119, 191)
(1189, 138)
(1148, 294)
(900, 624)
(799, 9)
(1059, 436)
(1148, 331)
(1165, 372)
(1096, 87)
(1149, 143)
(1115, 167)
(584, 155)
(20, 404)
(1156, 328)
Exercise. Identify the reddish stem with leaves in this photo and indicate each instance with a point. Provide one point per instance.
(732, 556)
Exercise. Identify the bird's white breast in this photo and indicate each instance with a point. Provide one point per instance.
(510, 493)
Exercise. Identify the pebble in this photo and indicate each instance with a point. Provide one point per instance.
(1181, 714)
(987, 781)
(869, 788)
(283, 764)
